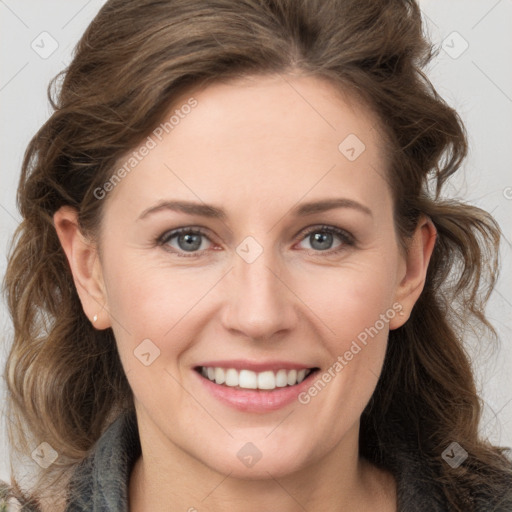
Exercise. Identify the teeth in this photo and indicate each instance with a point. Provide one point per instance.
(266, 380)
(292, 377)
(231, 377)
(281, 379)
(248, 379)
(220, 375)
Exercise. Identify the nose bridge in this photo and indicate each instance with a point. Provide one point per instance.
(260, 302)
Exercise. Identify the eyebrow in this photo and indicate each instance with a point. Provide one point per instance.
(214, 212)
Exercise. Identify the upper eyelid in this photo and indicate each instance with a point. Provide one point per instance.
(325, 227)
(174, 232)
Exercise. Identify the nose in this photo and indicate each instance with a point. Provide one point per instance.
(260, 303)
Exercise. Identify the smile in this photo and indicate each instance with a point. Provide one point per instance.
(254, 386)
(248, 379)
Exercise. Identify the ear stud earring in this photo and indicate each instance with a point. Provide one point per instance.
(94, 318)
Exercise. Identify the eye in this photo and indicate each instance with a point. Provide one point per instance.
(188, 240)
(321, 238)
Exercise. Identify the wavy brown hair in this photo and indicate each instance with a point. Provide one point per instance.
(65, 380)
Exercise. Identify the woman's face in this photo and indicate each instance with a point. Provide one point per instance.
(265, 282)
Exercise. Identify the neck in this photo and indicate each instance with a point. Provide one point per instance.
(167, 476)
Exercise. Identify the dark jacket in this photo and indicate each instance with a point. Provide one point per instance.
(106, 474)
(100, 483)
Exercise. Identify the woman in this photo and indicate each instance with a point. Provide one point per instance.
(232, 284)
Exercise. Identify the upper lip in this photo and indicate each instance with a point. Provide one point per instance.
(255, 366)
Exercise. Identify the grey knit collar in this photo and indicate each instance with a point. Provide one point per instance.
(100, 483)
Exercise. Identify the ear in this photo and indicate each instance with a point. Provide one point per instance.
(414, 271)
(85, 266)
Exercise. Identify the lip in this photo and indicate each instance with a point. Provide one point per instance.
(255, 400)
(244, 364)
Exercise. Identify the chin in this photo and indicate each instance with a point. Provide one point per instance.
(257, 461)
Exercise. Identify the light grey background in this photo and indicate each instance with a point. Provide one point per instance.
(476, 80)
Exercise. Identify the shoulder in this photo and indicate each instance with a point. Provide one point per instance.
(9, 502)
(101, 481)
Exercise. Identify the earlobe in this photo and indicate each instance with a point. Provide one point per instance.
(85, 266)
(416, 265)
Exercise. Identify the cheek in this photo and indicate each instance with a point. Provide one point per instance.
(356, 307)
(150, 314)
(152, 297)
(355, 304)
(147, 302)
(351, 298)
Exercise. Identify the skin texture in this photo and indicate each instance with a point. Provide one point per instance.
(257, 149)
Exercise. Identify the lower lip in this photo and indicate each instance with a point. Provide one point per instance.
(250, 400)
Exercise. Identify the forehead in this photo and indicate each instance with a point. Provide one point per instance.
(267, 138)
(278, 111)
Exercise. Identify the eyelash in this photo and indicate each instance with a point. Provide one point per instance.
(346, 238)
